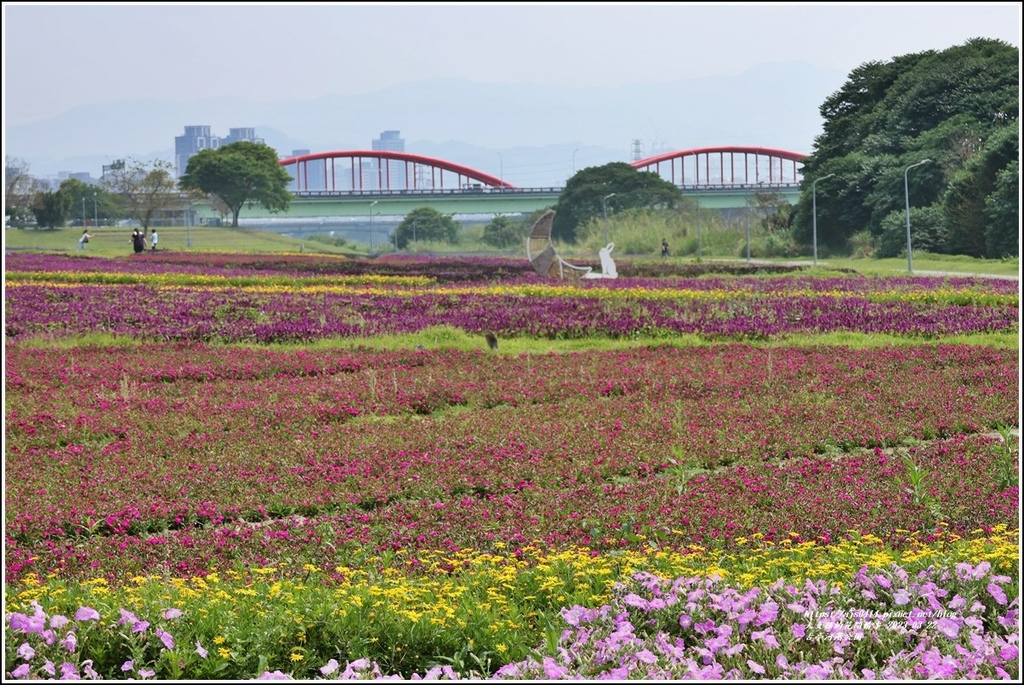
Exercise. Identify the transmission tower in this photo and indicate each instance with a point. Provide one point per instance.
(638, 152)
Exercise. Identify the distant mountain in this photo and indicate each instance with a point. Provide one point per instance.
(531, 133)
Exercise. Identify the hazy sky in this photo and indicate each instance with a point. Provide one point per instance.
(59, 56)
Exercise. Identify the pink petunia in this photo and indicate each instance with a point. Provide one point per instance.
(997, 593)
(87, 614)
(755, 667)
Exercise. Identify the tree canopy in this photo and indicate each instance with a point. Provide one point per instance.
(426, 224)
(956, 107)
(239, 173)
(583, 197)
(145, 188)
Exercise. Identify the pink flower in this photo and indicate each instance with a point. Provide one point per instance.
(166, 638)
(755, 667)
(200, 650)
(21, 671)
(997, 593)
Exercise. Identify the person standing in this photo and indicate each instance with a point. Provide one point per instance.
(83, 239)
(664, 248)
(152, 240)
(138, 240)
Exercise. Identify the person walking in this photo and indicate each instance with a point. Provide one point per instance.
(138, 240)
(152, 240)
(664, 248)
(83, 239)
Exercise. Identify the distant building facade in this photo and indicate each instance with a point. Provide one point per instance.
(199, 138)
(389, 141)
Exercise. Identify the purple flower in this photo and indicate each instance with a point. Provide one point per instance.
(19, 622)
(781, 661)
(553, 670)
(49, 667)
(21, 671)
(646, 656)
(166, 638)
(997, 593)
(799, 630)
(69, 671)
(755, 667)
(87, 614)
(140, 626)
(57, 622)
(276, 675)
(172, 614)
(26, 652)
(948, 627)
(89, 670)
(330, 667)
(901, 596)
(147, 673)
(70, 642)
(128, 665)
(200, 650)
(1008, 653)
(127, 617)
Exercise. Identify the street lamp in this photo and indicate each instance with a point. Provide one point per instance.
(906, 197)
(83, 211)
(700, 250)
(814, 215)
(501, 171)
(746, 216)
(574, 160)
(372, 225)
(95, 214)
(604, 209)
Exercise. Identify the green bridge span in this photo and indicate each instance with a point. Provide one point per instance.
(358, 213)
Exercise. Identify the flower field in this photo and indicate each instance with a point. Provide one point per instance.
(202, 483)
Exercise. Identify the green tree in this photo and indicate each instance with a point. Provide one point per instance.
(146, 188)
(51, 208)
(239, 173)
(947, 106)
(1002, 211)
(503, 232)
(426, 224)
(582, 198)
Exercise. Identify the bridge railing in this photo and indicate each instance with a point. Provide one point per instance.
(421, 192)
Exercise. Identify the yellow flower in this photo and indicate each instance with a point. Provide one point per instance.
(219, 640)
(224, 652)
(296, 656)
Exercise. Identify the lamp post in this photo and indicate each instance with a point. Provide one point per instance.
(95, 214)
(574, 160)
(83, 211)
(501, 171)
(814, 215)
(700, 249)
(906, 197)
(372, 225)
(746, 217)
(604, 211)
(188, 227)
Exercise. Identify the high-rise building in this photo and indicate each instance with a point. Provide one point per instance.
(391, 172)
(198, 138)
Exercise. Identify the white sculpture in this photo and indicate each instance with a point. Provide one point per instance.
(608, 269)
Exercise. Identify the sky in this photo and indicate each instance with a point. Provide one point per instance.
(58, 56)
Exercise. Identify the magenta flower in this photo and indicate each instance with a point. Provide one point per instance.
(68, 671)
(128, 665)
(57, 622)
(948, 627)
(172, 614)
(26, 652)
(147, 673)
(70, 642)
(799, 630)
(21, 671)
(140, 626)
(755, 667)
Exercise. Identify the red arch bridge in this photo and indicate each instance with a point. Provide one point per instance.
(369, 172)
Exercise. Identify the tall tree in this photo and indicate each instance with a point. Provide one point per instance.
(20, 189)
(583, 197)
(51, 208)
(240, 173)
(145, 188)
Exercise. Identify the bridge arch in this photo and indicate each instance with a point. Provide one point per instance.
(370, 170)
(727, 166)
